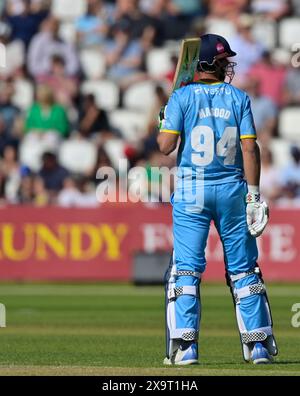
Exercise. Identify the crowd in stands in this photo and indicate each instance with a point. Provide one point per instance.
(82, 83)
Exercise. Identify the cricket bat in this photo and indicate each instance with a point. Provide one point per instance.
(187, 62)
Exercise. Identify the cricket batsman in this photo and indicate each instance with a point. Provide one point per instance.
(217, 180)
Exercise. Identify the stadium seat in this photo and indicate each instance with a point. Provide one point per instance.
(24, 94)
(158, 62)
(12, 57)
(115, 150)
(67, 32)
(78, 155)
(68, 9)
(281, 56)
(93, 63)
(130, 123)
(106, 93)
(221, 27)
(280, 149)
(33, 146)
(265, 33)
(289, 32)
(289, 124)
(140, 96)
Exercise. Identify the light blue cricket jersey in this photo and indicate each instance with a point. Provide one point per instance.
(211, 119)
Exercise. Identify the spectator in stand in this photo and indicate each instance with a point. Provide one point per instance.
(271, 9)
(8, 111)
(14, 55)
(264, 111)
(292, 87)
(189, 8)
(103, 161)
(26, 24)
(249, 51)
(69, 196)
(296, 7)
(40, 195)
(291, 173)
(271, 77)
(226, 9)
(52, 174)
(10, 171)
(124, 56)
(45, 45)
(5, 137)
(93, 120)
(64, 87)
(149, 142)
(171, 19)
(45, 115)
(270, 175)
(92, 28)
(25, 193)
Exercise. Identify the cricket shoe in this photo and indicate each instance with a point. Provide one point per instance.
(260, 354)
(183, 357)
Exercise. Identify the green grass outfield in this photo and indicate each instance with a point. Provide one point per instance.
(119, 330)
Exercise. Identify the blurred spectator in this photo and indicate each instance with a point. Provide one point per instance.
(64, 87)
(263, 108)
(292, 86)
(92, 28)
(169, 76)
(271, 9)
(5, 138)
(10, 174)
(92, 119)
(296, 7)
(169, 20)
(227, 9)
(149, 142)
(25, 193)
(45, 115)
(291, 173)
(271, 77)
(16, 7)
(40, 195)
(103, 161)
(26, 24)
(129, 13)
(124, 31)
(124, 56)
(52, 174)
(69, 196)
(48, 43)
(2, 6)
(189, 8)
(8, 111)
(12, 53)
(269, 181)
(249, 51)
(289, 198)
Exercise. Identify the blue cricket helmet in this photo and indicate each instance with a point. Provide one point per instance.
(214, 47)
(214, 50)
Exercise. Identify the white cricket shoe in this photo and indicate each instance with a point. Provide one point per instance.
(184, 357)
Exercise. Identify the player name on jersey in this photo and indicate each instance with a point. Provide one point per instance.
(214, 112)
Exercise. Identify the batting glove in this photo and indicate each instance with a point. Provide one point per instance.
(257, 213)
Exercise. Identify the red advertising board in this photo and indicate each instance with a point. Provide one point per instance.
(98, 244)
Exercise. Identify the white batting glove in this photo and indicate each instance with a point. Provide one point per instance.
(257, 212)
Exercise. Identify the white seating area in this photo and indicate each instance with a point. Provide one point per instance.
(130, 123)
(106, 93)
(68, 9)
